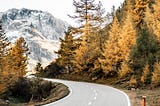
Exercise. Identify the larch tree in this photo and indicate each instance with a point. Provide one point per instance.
(90, 17)
(124, 70)
(88, 14)
(127, 39)
(4, 44)
(67, 51)
(81, 57)
(139, 13)
(146, 76)
(152, 19)
(16, 61)
(156, 74)
(112, 49)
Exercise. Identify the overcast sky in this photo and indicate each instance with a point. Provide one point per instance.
(58, 8)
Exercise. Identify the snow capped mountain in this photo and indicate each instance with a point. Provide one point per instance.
(40, 29)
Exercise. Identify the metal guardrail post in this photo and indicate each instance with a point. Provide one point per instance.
(143, 100)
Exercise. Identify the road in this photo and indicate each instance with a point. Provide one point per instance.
(88, 94)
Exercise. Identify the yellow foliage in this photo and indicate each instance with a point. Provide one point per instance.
(139, 12)
(156, 74)
(18, 57)
(125, 69)
(2, 88)
(119, 44)
(133, 82)
(112, 49)
(127, 38)
(145, 74)
(152, 19)
(14, 65)
(81, 57)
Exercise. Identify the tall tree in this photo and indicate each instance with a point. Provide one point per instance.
(152, 19)
(14, 64)
(139, 13)
(145, 52)
(90, 17)
(127, 41)
(156, 74)
(80, 57)
(16, 61)
(87, 12)
(111, 50)
(3, 52)
(3, 44)
(66, 51)
(127, 38)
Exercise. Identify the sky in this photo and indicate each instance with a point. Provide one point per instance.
(58, 8)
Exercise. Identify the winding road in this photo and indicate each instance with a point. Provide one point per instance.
(88, 94)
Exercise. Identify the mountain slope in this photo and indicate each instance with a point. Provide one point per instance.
(40, 29)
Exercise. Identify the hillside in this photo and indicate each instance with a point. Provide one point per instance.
(40, 29)
(127, 49)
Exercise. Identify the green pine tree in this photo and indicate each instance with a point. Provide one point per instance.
(66, 51)
(145, 52)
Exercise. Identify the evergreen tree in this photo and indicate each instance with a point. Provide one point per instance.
(66, 51)
(145, 51)
(39, 67)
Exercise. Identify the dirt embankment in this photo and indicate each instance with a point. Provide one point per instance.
(57, 93)
(60, 91)
(152, 96)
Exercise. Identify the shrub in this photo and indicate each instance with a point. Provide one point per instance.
(95, 74)
(133, 82)
(30, 89)
(52, 70)
(125, 69)
(45, 87)
(21, 89)
(146, 77)
(156, 75)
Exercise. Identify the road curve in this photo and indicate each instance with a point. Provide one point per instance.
(89, 94)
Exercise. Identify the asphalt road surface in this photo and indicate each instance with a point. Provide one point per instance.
(88, 94)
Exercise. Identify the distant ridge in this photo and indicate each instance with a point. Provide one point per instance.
(40, 29)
